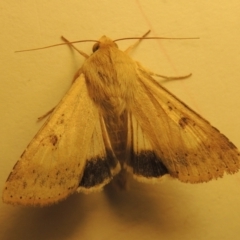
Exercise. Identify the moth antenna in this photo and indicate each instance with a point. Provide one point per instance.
(164, 38)
(130, 48)
(71, 45)
(55, 45)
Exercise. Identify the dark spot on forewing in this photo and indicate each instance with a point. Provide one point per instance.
(147, 164)
(183, 122)
(53, 139)
(24, 184)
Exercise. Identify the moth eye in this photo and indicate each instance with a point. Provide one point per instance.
(95, 47)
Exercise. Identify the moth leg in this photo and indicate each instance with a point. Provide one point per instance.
(76, 75)
(170, 78)
(45, 115)
(162, 76)
(130, 48)
(71, 45)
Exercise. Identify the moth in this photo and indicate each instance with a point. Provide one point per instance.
(116, 119)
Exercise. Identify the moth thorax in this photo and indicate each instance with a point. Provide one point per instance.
(112, 108)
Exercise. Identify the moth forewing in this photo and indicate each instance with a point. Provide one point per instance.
(52, 165)
(190, 148)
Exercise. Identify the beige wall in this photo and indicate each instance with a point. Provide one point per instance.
(31, 83)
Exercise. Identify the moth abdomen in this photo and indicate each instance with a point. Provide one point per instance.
(117, 132)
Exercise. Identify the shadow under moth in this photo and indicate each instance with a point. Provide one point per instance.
(116, 118)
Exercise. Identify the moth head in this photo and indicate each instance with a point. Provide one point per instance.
(104, 42)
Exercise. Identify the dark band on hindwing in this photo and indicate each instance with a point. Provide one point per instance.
(98, 170)
(147, 164)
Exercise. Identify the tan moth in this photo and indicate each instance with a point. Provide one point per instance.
(116, 118)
